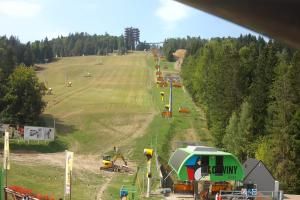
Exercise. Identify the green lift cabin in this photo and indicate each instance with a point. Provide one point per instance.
(203, 163)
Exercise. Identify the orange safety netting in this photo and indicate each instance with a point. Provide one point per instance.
(28, 192)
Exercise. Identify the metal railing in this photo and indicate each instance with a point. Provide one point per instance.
(251, 194)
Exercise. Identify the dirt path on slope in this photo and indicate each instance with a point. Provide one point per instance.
(90, 163)
(177, 64)
(138, 130)
(103, 187)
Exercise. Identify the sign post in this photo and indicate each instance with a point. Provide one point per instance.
(148, 153)
(6, 164)
(68, 174)
(2, 184)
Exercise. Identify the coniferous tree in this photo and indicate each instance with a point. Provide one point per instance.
(266, 76)
(231, 139)
(28, 55)
(47, 51)
(245, 129)
(238, 134)
(259, 92)
(36, 50)
(7, 61)
(281, 111)
(2, 90)
(121, 45)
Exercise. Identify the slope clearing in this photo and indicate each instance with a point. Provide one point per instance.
(162, 134)
(110, 108)
(103, 110)
(118, 105)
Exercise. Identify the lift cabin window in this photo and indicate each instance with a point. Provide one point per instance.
(219, 165)
(205, 165)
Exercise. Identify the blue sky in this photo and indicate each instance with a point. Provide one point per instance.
(157, 19)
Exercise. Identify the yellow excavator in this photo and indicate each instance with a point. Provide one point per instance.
(109, 162)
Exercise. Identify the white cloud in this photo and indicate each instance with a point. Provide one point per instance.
(19, 8)
(171, 11)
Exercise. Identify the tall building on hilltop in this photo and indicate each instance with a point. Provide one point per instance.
(132, 37)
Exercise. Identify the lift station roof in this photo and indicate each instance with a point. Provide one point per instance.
(215, 165)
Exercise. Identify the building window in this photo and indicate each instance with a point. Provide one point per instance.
(219, 165)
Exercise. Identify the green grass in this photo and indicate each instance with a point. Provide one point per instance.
(120, 180)
(163, 133)
(116, 183)
(39, 146)
(166, 66)
(120, 106)
(90, 117)
(101, 110)
(49, 180)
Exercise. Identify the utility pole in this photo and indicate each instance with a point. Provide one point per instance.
(171, 98)
(148, 153)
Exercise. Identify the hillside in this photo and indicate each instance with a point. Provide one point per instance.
(117, 105)
(101, 110)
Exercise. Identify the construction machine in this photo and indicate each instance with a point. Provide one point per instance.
(109, 163)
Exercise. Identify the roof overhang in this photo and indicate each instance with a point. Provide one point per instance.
(278, 19)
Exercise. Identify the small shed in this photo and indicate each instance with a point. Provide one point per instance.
(257, 173)
(215, 165)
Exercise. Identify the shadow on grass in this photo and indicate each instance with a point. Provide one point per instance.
(60, 127)
(41, 147)
(58, 145)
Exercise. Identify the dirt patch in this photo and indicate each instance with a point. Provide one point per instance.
(179, 54)
(82, 165)
(177, 64)
(90, 163)
(291, 197)
(38, 68)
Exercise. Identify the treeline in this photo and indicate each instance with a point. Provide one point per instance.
(191, 44)
(13, 53)
(20, 91)
(84, 44)
(250, 90)
(75, 44)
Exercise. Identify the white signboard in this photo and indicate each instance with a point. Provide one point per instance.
(38, 133)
